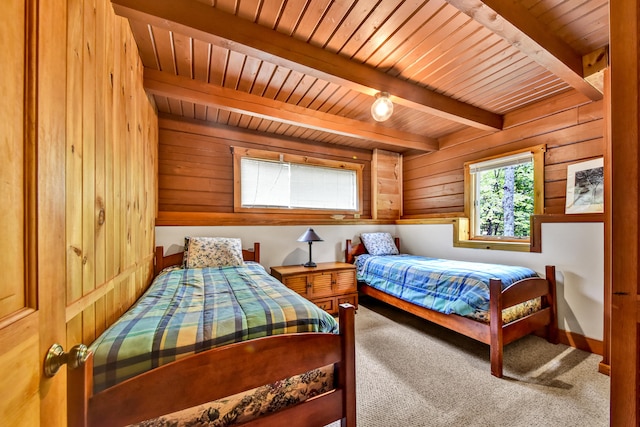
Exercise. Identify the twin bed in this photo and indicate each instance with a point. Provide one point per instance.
(494, 304)
(219, 342)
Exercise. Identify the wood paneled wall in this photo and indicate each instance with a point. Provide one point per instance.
(571, 126)
(386, 185)
(195, 172)
(111, 166)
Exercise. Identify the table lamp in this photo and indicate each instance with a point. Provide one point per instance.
(309, 236)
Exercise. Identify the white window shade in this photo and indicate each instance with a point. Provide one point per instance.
(318, 187)
(264, 183)
(275, 184)
(502, 162)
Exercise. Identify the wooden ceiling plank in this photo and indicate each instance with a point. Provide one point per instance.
(410, 34)
(278, 78)
(513, 22)
(248, 9)
(263, 78)
(427, 35)
(289, 19)
(201, 60)
(233, 71)
(301, 90)
(332, 19)
(164, 49)
(322, 100)
(491, 53)
(447, 52)
(250, 71)
(183, 55)
(310, 18)
(383, 33)
(218, 65)
(144, 41)
(166, 84)
(317, 89)
(268, 15)
(435, 44)
(208, 24)
(358, 27)
(289, 85)
(487, 79)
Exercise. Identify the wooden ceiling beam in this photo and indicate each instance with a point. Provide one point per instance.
(203, 22)
(512, 21)
(199, 92)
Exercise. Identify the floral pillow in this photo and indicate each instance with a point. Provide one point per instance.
(200, 252)
(379, 243)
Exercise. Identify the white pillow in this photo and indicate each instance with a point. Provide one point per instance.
(379, 243)
(200, 252)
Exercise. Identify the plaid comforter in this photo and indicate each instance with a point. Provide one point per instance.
(438, 284)
(186, 311)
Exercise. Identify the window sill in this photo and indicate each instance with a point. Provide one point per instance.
(461, 230)
(494, 245)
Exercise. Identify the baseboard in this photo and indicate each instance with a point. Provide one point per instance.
(580, 342)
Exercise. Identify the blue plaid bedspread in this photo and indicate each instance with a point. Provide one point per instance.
(186, 311)
(446, 286)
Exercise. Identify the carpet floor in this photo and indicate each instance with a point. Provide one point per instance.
(413, 373)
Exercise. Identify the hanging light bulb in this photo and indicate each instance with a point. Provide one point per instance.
(382, 107)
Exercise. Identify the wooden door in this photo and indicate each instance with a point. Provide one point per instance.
(31, 211)
(625, 220)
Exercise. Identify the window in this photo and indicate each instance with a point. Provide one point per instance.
(267, 181)
(501, 194)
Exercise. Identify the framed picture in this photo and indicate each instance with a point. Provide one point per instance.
(585, 187)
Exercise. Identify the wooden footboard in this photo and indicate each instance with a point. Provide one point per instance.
(519, 292)
(234, 368)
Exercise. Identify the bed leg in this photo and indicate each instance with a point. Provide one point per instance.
(80, 390)
(347, 369)
(495, 327)
(552, 328)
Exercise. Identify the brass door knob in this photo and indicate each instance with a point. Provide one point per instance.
(56, 357)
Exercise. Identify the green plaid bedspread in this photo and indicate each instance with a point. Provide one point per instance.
(186, 311)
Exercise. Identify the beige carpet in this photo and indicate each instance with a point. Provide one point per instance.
(414, 373)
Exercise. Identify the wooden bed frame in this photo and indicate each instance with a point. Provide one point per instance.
(495, 334)
(238, 367)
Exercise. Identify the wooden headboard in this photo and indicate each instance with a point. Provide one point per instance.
(352, 251)
(162, 261)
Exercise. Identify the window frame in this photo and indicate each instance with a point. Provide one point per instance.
(239, 153)
(470, 191)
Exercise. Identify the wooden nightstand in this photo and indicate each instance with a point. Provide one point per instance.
(327, 285)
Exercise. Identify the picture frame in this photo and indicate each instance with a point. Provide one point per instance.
(585, 187)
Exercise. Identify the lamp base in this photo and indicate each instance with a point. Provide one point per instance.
(310, 264)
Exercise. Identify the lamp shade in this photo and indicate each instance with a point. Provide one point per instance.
(309, 236)
(382, 107)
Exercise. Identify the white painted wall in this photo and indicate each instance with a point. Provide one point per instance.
(278, 244)
(576, 249)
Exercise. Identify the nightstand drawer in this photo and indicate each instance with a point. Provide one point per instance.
(326, 304)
